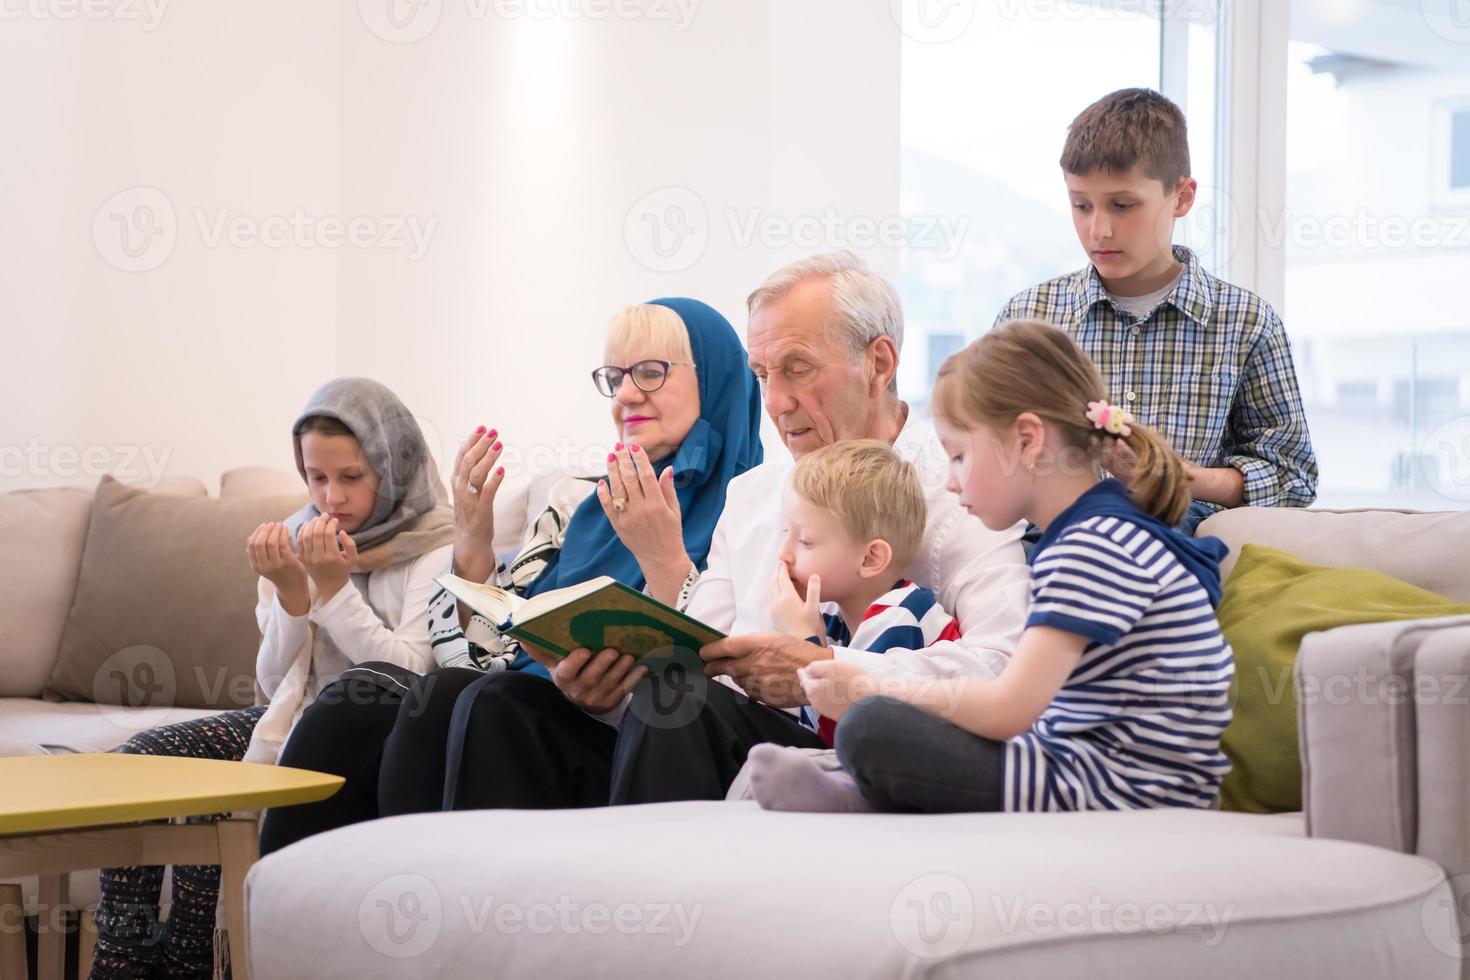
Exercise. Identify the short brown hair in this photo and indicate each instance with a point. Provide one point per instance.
(1133, 127)
(1030, 366)
(872, 490)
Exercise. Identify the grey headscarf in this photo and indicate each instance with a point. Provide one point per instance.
(409, 489)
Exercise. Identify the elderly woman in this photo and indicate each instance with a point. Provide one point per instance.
(686, 408)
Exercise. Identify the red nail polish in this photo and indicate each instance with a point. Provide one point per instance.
(494, 433)
(496, 447)
(480, 429)
(618, 447)
(635, 447)
(500, 471)
(611, 457)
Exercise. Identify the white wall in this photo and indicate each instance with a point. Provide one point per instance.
(528, 146)
(537, 143)
(201, 360)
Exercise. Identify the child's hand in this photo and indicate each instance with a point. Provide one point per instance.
(832, 686)
(789, 614)
(328, 554)
(269, 551)
(1119, 459)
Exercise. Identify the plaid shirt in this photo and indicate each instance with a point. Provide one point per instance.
(1210, 368)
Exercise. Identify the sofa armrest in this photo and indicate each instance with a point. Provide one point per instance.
(1442, 672)
(1358, 730)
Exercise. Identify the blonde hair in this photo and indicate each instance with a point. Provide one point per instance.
(648, 327)
(1030, 366)
(869, 488)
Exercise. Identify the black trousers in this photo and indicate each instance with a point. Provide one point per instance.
(687, 741)
(516, 742)
(365, 725)
(906, 760)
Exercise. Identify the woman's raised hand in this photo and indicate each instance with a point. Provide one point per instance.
(644, 511)
(477, 476)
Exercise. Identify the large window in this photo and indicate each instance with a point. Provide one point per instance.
(1376, 236)
(986, 100)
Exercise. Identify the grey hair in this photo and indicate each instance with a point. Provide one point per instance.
(866, 305)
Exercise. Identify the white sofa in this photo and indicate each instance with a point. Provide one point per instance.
(1364, 883)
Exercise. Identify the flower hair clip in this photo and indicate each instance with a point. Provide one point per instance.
(1111, 419)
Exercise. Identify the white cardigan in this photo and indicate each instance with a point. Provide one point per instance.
(377, 616)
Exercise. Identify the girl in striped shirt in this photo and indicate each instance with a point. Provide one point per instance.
(1117, 694)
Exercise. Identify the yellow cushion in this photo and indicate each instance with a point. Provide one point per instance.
(1271, 601)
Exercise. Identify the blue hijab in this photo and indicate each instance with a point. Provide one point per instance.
(1201, 556)
(724, 442)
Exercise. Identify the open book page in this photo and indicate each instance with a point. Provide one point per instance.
(492, 602)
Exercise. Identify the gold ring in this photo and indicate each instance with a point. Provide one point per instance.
(620, 504)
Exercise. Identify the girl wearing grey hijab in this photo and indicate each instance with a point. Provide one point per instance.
(345, 580)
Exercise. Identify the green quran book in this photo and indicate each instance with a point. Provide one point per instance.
(596, 614)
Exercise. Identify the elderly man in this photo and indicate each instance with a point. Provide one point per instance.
(824, 338)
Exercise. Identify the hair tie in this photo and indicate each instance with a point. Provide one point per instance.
(1111, 419)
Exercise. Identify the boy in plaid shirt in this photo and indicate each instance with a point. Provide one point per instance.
(1204, 362)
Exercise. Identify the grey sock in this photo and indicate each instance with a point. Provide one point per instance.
(784, 779)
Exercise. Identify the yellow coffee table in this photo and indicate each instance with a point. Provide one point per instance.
(63, 813)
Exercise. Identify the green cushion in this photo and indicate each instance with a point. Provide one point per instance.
(1271, 601)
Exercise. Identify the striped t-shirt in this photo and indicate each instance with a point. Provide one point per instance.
(1138, 722)
(906, 617)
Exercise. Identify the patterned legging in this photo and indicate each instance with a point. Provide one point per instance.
(131, 942)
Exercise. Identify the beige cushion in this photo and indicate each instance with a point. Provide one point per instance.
(260, 481)
(164, 608)
(715, 890)
(43, 531)
(1431, 551)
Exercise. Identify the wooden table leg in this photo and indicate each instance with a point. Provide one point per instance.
(86, 941)
(239, 848)
(51, 928)
(12, 933)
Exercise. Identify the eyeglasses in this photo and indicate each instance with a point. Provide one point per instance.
(648, 376)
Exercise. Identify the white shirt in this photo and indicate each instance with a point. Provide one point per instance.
(1139, 307)
(377, 616)
(979, 575)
